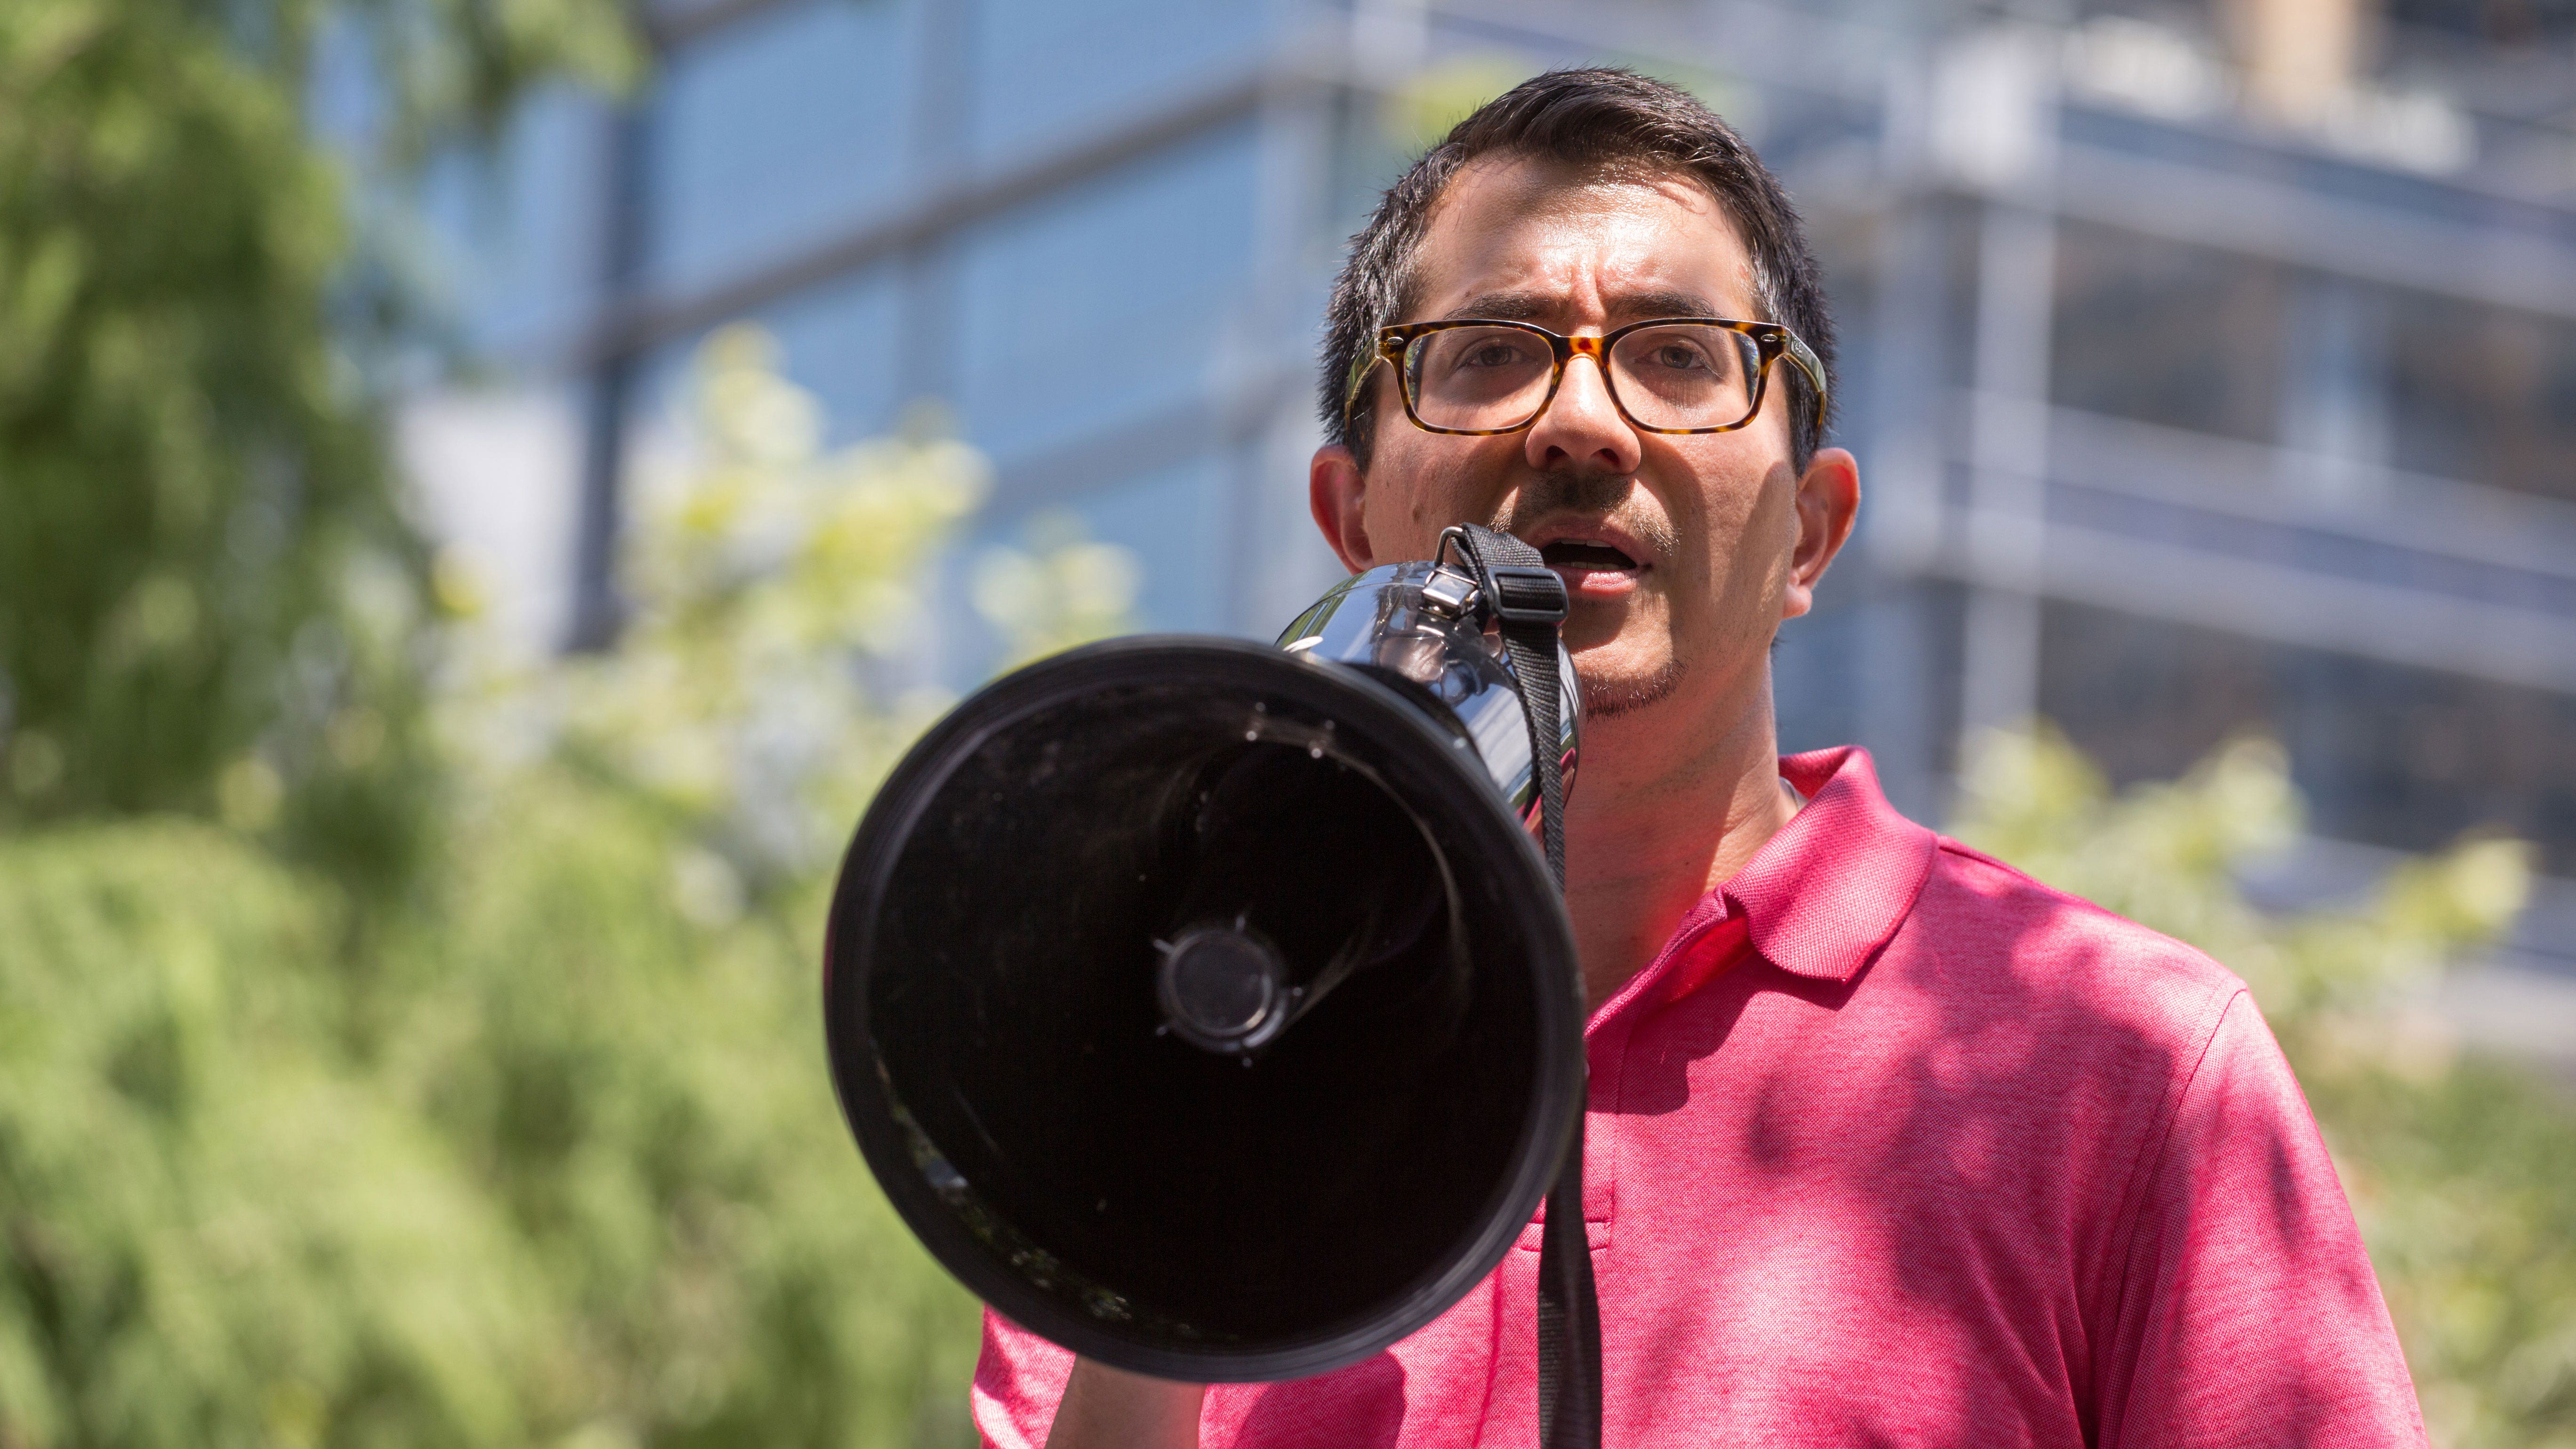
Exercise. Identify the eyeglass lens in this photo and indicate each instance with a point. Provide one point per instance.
(1676, 375)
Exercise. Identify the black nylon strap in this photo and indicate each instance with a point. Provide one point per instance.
(1569, 1316)
(1528, 602)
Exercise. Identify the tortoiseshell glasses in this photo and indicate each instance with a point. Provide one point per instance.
(1477, 378)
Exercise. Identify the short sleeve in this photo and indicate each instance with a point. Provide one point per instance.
(1019, 1380)
(2247, 1311)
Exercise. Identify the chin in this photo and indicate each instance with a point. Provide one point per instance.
(1614, 686)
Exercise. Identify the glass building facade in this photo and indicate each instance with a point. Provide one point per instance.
(2195, 391)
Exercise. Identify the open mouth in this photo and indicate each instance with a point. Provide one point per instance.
(1582, 556)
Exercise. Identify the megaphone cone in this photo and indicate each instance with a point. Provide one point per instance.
(1205, 1007)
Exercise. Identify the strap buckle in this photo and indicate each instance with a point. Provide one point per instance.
(1519, 594)
(1448, 593)
(1522, 593)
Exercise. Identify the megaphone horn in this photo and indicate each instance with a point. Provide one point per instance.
(1207, 1008)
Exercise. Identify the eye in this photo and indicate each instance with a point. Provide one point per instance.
(1679, 356)
(1491, 354)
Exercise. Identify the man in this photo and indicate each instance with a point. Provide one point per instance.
(1888, 1144)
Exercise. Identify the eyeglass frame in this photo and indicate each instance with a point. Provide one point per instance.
(1771, 343)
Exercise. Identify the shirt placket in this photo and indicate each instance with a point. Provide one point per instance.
(1510, 1418)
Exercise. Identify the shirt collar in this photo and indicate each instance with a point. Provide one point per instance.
(1825, 894)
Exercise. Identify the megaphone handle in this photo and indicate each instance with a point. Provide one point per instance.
(1529, 604)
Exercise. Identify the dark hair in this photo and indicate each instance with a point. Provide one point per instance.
(1605, 120)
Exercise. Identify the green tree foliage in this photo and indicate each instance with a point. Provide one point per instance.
(556, 1161)
(220, 1227)
(207, 594)
(770, 584)
(2459, 1168)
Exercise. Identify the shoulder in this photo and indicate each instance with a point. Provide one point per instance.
(1984, 928)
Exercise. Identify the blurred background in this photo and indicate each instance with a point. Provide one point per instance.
(486, 486)
(2214, 365)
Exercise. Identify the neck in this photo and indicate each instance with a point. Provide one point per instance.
(1663, 811)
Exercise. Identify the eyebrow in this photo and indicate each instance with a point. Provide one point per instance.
(1531, 306)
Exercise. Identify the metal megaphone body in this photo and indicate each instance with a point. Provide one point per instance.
(1420, 624)
(1207, 1007)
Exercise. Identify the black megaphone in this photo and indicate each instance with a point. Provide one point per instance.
(1207, 1008)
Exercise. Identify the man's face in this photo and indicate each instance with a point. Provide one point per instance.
(1681, 553)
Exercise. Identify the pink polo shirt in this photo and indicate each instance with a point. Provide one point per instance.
(1892, 1145)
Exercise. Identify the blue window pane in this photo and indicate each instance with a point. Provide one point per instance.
(840, 341)
(836, 340)
(1172, 519)
(1043, 67)
(775, 133)
(1088, 312)
(1175, 523)
(519, 233)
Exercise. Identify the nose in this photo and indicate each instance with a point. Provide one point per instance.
(1582, 427)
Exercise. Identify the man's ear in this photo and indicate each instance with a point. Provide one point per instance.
(1338, 492)
(1828, 503)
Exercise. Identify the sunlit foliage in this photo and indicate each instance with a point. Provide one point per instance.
(1060, 590)
(209, 601)
(555, 1159)
(778, 607)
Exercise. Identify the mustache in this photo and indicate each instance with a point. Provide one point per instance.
(1605, 495)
